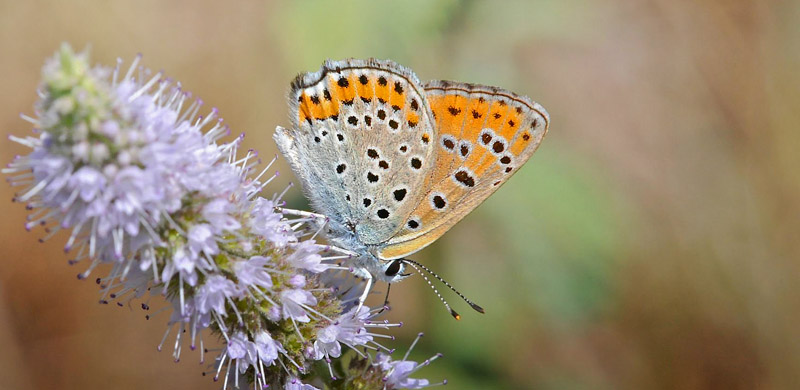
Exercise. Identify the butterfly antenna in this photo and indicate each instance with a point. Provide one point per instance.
(435, 290)
(428, 270)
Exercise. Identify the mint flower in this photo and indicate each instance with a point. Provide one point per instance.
(349, 329)
(133, 169)
(252, 273)
(384, 373)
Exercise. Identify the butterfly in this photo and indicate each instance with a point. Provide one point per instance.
(393, 163)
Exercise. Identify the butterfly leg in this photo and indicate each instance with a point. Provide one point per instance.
(320, 220)
(385, 300)
(367, 289)
(299, 213)
(304, 217)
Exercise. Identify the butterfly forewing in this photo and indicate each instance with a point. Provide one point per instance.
(484, 135)
(361, 142)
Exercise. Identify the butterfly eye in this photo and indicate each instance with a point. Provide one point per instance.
(394, 268)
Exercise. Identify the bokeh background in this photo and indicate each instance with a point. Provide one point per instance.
(651, 243)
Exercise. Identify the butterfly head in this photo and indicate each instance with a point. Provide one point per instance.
(393, 271)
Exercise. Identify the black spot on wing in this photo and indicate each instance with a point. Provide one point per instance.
(448, 143)
(498, 147)
(400, 194)
(439, 202)
(464, 178)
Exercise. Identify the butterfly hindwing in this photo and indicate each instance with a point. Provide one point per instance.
(361, 142)
(484, 135)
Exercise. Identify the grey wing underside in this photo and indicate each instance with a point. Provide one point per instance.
(350, 122)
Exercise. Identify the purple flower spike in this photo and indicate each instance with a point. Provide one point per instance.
(127, 164)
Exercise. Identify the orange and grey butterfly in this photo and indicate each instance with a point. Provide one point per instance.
(394, 163)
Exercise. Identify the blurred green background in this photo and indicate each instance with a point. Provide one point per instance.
(651, 243)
